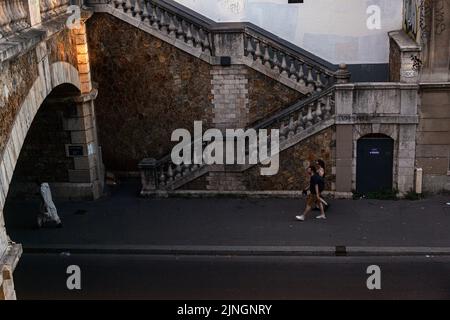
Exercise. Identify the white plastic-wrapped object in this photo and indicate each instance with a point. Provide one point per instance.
(48, 210)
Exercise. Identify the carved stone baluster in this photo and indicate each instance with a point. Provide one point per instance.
(301, 75)
(292, 126)
(117, 3)
(284, 68)
(163, 23)
(197, 38)
(21, 15)
(11, 13)
(267, 56)
(5, 20)
(318, 113)
(275, 62)
(249, 49)
(137, 8)
(146, 12)
(127, 5)
(162, 177)
(155, 17)
(170, 173)
(186, 169)
(189, 37)
(206, 44)
(258, 52)
(172, 27)
(283, 131)
(309, 116)
(310, 79)
(328, 107)
(318, 83)
(300, 122)
(180, 29)
(293, 71)
(328, 80)
(178, 171)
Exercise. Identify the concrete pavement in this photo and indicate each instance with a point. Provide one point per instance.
(122, 222)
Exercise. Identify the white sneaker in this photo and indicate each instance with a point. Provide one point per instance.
(300, 218)
(322, 216)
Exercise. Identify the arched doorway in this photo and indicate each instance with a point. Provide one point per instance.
(374, 163)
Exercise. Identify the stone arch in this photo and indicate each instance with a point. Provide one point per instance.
(58, 73)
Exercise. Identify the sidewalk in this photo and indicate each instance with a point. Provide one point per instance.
(124, 222)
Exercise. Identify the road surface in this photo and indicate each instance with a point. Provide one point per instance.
(104, 276)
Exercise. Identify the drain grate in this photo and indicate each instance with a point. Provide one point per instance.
(341, 251)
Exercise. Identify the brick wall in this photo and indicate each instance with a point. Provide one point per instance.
(267, 96)
(293, 162)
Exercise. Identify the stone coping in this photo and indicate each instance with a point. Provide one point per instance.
(23, 41)
(404, 42)
(377, 86)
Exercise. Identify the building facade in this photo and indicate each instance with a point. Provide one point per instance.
(363, 85)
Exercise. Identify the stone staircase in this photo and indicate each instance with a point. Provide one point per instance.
(295, 124)
(224, 43)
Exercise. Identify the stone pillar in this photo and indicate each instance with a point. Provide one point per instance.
(148, 175)
(8, 263)
(344, 158)
(231, 107)
(87, 175)
(404, 58)
(229, 44)
(406, 158)
(344, 138)
(230, 92)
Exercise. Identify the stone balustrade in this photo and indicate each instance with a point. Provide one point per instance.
(168, 22)
(287, 63)
(312, 112)
(244, 43)
(53, 8)
(13, 17)
(291, 122)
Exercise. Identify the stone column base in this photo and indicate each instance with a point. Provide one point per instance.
(8, 264)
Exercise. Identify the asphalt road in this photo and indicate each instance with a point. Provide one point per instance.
(43, 276)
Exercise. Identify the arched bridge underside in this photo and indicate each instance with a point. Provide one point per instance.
(50, 64)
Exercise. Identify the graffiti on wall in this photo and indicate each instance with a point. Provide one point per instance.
(234, 6)
(411, 17)
(422, 17)
(439, 16)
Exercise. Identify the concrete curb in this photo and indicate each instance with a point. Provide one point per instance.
(239, 194)
(239, 250)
